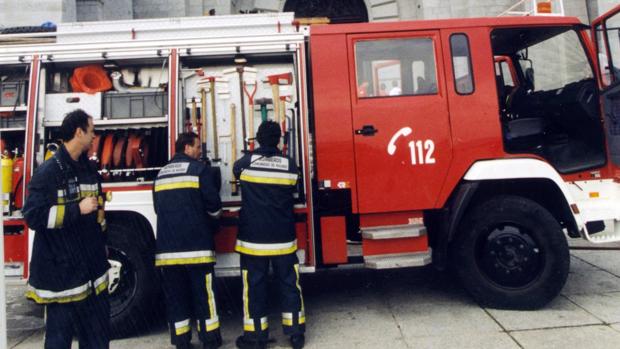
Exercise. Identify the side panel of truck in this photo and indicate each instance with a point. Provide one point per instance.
(474, 118)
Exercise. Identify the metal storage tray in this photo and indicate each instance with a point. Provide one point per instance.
(118, 105)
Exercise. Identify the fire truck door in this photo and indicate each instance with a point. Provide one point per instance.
(400, 118)
(606, 35)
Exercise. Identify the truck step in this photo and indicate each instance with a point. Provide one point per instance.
(398, 260)
(611, 234)
(394, 232)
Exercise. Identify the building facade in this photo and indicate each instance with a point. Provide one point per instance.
(35, 12)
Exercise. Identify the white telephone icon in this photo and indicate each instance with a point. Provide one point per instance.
(404, 132)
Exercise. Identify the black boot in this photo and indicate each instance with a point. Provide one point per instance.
(184, 345)
(214, 343)
(298, 341)
(244, 343)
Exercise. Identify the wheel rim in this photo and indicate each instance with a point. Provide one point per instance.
(509, 256)
(126, 289)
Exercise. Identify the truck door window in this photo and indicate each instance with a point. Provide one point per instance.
(461, 64)
(395, 67)
(553, 109)
(608, 41)
(555, 63)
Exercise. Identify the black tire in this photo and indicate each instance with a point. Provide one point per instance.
(133, 302)
(511, 253)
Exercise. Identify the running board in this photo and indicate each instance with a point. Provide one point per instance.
(398, 260)
(394, 232)
(606, 235)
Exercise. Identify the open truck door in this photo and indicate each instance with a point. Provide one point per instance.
(606, 36)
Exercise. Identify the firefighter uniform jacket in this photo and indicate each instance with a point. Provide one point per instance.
(266, 220)
(68, 256)
(187, 204)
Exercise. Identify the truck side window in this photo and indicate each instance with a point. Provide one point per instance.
(461, 64)
(608, 41)
(395, 67)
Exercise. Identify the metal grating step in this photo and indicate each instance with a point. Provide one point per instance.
(394, 231)
(398, 260)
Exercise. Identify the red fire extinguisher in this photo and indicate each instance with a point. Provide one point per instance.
(18, 182)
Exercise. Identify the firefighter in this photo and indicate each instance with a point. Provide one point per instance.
(188, 204)
(69, 267)
(267, 235)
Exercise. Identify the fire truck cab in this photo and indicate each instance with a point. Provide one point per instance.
(479, 143)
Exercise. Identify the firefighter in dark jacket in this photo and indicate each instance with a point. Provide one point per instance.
(69, 267)
(267, 235)
(187, 204)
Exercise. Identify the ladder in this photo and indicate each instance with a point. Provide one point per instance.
(535, 8)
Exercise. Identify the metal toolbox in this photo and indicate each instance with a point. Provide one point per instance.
(12, 93)
(57, 105)
(118, 105)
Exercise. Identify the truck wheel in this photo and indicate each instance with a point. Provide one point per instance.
(511, 253)
(134, 285)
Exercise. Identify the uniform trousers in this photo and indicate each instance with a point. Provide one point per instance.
(254, 273)
(190, 294)
(89, 319)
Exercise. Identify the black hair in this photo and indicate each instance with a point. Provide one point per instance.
(184, 139)
(72, 121)
(268, 134)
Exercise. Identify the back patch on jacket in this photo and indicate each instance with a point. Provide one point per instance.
(275, 162)
(174, 168)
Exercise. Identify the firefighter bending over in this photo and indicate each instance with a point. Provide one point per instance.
(187, 204)
(69, 267)
(267, 234)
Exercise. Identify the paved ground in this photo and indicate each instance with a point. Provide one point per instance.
(408, 308)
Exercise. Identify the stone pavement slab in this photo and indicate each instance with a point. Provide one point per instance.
(606, 260)
(599, 337)
(604, 306)
(559, 313)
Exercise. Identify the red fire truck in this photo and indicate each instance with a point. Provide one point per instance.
(483, 144)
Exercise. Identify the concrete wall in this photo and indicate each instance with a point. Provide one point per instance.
(158, 8)
(32, 12)
(117, 9)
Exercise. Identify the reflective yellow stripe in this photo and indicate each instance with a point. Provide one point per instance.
(301, 297)
(210, 297)
(181, 327)
(273, 249)
(181, 330)
(56, 216)
(248, 324)
(212, 324)
(101, 283)
(179, 185)
(45, 297)
(254, 252)
(246, 308)
(289, 322)
(78, 297)
(176, 261)
(87, 194)
(287, 318)
(265, 180)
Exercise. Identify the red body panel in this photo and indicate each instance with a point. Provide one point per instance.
(474, 118)
(334, 239)
(16, 246)
(334, 131)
